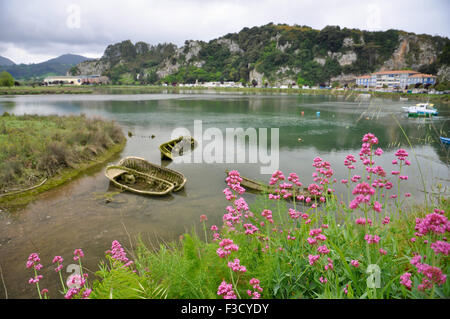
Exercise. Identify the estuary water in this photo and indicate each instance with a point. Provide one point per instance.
(77, 214)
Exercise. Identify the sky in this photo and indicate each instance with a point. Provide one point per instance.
(32, 31)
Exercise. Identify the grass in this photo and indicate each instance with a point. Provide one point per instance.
(35, 148)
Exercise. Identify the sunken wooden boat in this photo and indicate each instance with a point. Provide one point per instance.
(176, 147)
(143, 166)
(260, 187)
(137, 182)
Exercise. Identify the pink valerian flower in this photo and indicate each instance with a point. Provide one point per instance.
(214, 228)
(323, 250)
(372, 239)
(203, 218)
(226, 290)
(355, 178)
(78, 253)
(268, 215)
(434, 222)
(370, 138)
(33, 261)
(377, 207)
(294, 214)
(386, 220)
(118, 254)
(355, 263)
(59, 260)
(378, 152)
(226, 247)
(434, 274)
(441, 247)
(241, 205)
(401, 154)
(382, 251)
(405, 280)
(323, 280)
(313, 258)
(75, 281)
(216, 236)
(236, 267)
(311, 241)
(256, 287)
(330, 265)
(363, 221)
(314, 232)
(35, 279)
(86, 293)
(294, 179)
(71, 293)
(234, 182)
(349, 160)
(250, 229)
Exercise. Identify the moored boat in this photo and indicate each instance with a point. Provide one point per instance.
(421, 110)
(445, 140)
(143, 166)
(137, 182)
(176, 147)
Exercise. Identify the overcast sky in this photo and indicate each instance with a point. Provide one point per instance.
(33, 31)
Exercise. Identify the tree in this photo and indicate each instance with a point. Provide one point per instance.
(6, 79)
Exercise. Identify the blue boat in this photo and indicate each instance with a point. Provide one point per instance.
(445, 140)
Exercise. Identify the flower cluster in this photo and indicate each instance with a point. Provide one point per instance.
(256, 294)
(118, 254)
(226, 290)
(236, 266)
(226, 247)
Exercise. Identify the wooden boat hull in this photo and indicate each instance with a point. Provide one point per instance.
(145, 184)
(175, 147)
(142, 165)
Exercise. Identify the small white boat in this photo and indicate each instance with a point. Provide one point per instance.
(421, 109)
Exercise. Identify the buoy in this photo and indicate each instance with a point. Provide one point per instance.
(318, 113)
(303, 113)
(299, 139)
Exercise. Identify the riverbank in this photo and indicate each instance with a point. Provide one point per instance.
(146, 89)
(42, 152)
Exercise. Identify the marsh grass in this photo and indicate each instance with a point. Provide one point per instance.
(37, 147)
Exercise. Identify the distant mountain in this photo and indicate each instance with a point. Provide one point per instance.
(275, 54)
(5, 61)
(57, 66)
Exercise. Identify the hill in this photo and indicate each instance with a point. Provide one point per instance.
(5, 61)
(57, 66)
(274, 54)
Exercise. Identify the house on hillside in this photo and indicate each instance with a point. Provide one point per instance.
(395, 79)
(76, 80)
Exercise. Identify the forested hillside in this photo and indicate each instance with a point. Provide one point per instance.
(274, 54)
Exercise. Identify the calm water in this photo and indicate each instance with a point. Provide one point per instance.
(77, 216)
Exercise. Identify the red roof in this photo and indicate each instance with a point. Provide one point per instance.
(364, 77)
(397, 72)
(422, 75)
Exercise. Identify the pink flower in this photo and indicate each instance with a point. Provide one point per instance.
(78, 253)
(434, 222)
(236, 267)
(386, 220)
(377, 206)
(323, 250)
(313, 259)
(441, 247)
(203, 218)
(118, 254)
(372, 239)
(405, 280)
(355, 263)
(382, 251)
(226, 247)
(323, 280)
(214, 228)
(226, 290)
(294, 214)
(71, 292)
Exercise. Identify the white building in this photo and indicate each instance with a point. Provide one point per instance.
(395, 79)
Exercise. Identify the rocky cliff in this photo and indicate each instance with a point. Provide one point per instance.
(275, 55)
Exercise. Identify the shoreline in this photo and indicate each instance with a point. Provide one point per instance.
(20, 200)
(143, 89)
